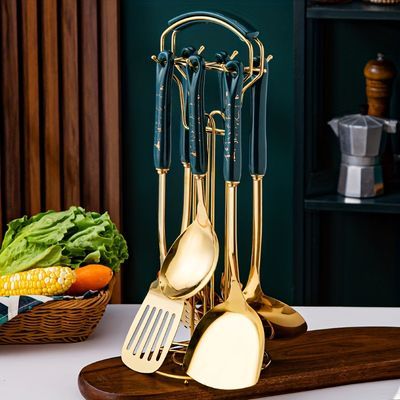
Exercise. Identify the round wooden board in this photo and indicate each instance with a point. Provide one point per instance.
(318, 359)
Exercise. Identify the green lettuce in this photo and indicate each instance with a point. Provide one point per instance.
(72, 237)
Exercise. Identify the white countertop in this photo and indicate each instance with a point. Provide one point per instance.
(50, 372)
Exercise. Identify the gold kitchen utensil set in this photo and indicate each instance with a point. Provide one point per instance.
(228, 332)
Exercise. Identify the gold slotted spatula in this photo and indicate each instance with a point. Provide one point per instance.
(154, 327)
(152, 331)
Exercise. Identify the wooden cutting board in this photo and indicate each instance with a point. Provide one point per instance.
(318, 359)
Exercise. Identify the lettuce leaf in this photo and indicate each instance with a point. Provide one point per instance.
(72, 237)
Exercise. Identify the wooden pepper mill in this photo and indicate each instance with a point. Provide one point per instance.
(379, 75)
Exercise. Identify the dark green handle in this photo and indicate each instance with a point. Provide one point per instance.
(162, 123)
(243, 27)
(233, 85)
(222, 57)
(258, 136)
(195, 72)
(184, 135)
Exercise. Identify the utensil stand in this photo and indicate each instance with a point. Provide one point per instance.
(205, 300)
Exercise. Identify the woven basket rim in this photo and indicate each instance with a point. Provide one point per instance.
(103, 296)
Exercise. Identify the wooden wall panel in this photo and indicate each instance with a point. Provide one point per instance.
(60, 108)
(30, 61)
(11, 155)
(110, 112)
(90, 160)
(110, 106)
(70, 103)
(50, 104)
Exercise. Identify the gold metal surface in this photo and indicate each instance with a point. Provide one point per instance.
(194, 198)
(279, 319)
(217, 66)
(188, 310)
(227, 347)
(154, 327)
(211, 155)
(173, 40)
(155, 59)
(233, 55)
(187, 189)
(217, 131)
(173, 376)
(213, 126)
(226, 277)
(214, 20)
(201, 49)
(192, 314)
(192, 259)
(177, 349)
(260, 68)
(208, 295)
(181, 99)
(207, 177)
(162, 242)
(217, 112)
(152, 331)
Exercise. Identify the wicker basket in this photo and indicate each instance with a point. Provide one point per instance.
(60, 321)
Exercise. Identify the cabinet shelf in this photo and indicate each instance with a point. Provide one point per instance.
(354, 10)
(387, 204)
(340, 241)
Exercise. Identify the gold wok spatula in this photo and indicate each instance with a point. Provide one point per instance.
(227, 347)
(154, 326)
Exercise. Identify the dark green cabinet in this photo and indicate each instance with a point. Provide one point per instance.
(349, 253)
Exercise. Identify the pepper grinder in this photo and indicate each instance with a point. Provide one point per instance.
(379, 75)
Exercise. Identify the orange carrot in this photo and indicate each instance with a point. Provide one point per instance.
(90, 277)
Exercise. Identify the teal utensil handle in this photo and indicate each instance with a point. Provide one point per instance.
(258, 136)
(184, 134)
(221, 57)
(233, 85)
(243, 27)
(195, 72)
(162, 123)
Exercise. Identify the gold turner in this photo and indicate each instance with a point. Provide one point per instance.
(154, 327)
(227, 347)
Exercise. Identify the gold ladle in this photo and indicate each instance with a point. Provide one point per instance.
(192, 258)
(279, 319)
(227, 347)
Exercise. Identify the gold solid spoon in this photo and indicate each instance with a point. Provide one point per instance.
(279, 319)
(192, 258)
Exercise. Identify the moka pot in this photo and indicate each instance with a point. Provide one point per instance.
(362, 139)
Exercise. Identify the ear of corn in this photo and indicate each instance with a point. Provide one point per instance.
(48, 281)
